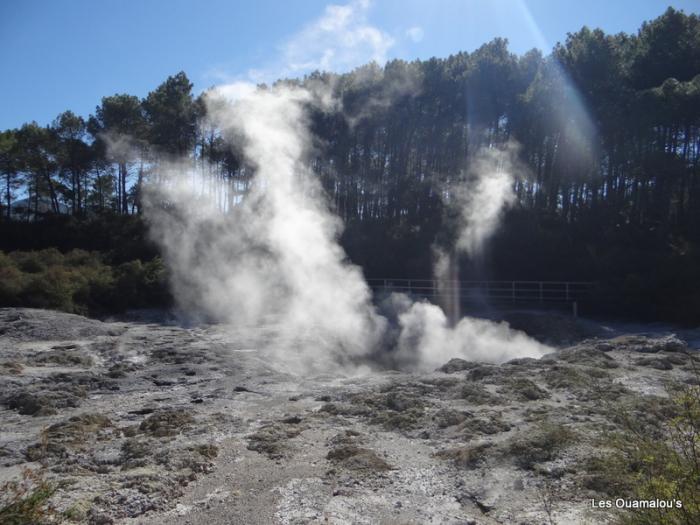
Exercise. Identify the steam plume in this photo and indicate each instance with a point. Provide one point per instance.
(274, 256)
(270, 257)
(480, 199)
(431, 335)
(488, 192)
(427, 340)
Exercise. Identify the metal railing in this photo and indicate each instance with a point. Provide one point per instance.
(497, 291)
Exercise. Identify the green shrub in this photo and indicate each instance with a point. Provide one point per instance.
(11, 284)
(49, 289)
(28, 262)
(139, 285)
(78, 258)
(544, 444)
(80, 282)
(26, 502)
(655, 463)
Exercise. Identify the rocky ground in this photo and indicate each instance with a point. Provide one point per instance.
(149, 422)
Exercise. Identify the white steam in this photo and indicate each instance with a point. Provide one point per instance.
(275, 255)
(480, 198)
(427, 341)
(488, 192)
(270, 256)
(431, 335)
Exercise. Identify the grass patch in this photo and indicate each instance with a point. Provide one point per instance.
(357, 458)
(467, 457)
(544, 444)
(524, 390)
(74, 433)
(663, 464)
(477, 394)
(491, 424)
(272, 440)
(166, 423)
(26, 502)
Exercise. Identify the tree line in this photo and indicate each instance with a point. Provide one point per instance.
(640, 96)
(608, 127)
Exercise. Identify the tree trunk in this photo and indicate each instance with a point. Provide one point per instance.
(74, 189)
(139, 184)
(8, 196)
(79, 192)
(36, 198)
(52, 192)
(125, 204)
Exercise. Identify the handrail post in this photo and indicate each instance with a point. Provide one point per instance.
(513, 291)
(541, 294)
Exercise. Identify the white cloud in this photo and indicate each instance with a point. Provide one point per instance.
(339, 40)
(415, 34)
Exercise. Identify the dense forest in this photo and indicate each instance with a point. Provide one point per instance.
(608, 127)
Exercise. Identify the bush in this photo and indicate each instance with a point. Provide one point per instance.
(26, 502)
(545, 444)
(11, 284)
(140, 285)
(644, 466)
(80, 282)
(49, 289)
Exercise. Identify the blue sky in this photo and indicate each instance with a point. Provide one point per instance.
(67, 54)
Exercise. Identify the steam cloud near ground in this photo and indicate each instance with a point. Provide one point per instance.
(431, 335)
(273, 256)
